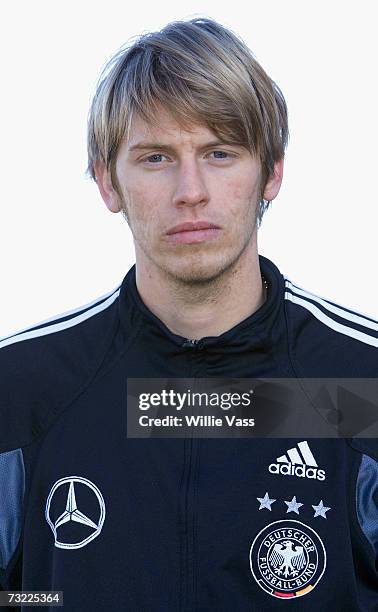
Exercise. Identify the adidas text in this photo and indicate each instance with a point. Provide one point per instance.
(289, 469)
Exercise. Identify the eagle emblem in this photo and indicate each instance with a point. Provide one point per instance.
(287, 559)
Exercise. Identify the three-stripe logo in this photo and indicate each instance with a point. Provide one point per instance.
(298, 461)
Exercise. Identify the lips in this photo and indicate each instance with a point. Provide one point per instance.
(192, 226)
(193, 232)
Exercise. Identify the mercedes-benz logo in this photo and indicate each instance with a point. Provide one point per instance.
(72, 513)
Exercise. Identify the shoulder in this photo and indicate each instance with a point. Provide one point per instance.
(328, 339)
(365, 494)
(43, 366)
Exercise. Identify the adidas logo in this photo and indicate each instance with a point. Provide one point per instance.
(298, 461)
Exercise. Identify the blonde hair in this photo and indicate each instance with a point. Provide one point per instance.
(202, 73)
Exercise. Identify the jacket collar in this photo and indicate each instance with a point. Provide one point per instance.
(254, 330)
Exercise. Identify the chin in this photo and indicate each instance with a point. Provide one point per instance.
(195, 271)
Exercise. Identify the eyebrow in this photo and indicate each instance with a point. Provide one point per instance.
(142, 145)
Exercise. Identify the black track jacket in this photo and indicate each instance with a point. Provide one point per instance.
(179, 525)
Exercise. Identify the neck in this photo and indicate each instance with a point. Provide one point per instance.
(207, 309)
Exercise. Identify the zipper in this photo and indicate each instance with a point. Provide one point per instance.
(188, 503)
(194, 344)
(185, 542)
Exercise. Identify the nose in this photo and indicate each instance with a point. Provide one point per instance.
(191, 189)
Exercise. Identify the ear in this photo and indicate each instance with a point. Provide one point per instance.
(273, 184)
(104, 183)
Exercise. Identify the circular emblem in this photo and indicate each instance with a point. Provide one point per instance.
(76, 517)
(287, 559)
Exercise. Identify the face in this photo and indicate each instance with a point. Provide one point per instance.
(190, 199)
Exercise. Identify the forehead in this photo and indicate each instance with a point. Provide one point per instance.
(165, 129)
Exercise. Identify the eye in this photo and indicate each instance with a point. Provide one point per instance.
(153, 159)
(221, 154)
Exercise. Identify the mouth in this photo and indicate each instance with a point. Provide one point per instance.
(193, 232)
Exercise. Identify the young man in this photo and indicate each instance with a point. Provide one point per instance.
(186, 138)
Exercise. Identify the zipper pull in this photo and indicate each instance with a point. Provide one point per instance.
(192, 344)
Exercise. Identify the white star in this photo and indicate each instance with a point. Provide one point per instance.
(265, 502)
(321, 509)
(293, 505)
